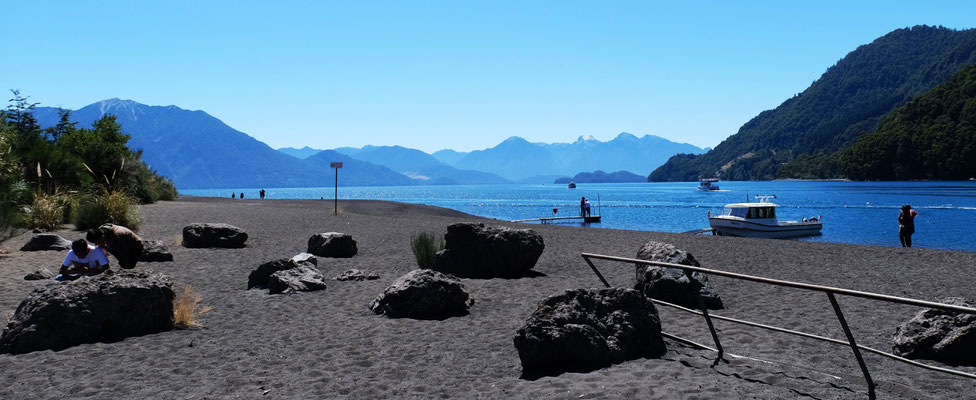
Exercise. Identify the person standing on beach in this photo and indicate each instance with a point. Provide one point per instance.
(262, 193)
(118, 240)
(906, 225)
(583, 206)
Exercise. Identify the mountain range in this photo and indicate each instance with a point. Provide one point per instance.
(805, 135)
(197, 150)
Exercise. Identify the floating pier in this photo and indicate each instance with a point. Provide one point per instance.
(546, 220)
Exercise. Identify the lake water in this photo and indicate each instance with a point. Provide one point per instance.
(853, 212)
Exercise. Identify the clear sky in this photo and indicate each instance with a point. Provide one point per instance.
(453, 74)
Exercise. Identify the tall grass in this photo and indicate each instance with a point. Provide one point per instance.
(425, 247)
(187, 309)
(46, 211)
(108, 206)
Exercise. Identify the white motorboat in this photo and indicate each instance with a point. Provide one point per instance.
(759, 220)
(706, 184)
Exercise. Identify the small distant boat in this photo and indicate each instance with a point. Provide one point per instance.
(759, 220)
(706, 184)
(572, 185)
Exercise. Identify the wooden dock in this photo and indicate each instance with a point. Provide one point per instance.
(546, 220)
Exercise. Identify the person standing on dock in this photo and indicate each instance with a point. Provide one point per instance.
(906, 225)
(586, 208)
(583, 206)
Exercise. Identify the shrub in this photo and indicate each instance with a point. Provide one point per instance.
(187, 309)
(109, 206)
(425, 247)
(46, 211)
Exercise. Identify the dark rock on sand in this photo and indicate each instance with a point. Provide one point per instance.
(213, 235)
(945, 336)
(303, 278)
(672, 284)
(154, 251)
(38, 275)
(475, 251)
(423, 294)
(260, 277)
(332, 244)
(356, 275)
(583, 330)
(104, 308)
(46, 241)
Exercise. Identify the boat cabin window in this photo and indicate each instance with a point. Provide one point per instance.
(761, 212)
(736, 212)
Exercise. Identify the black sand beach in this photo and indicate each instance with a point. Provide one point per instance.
(327, 344)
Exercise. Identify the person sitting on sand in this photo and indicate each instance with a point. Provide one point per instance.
(906, 225)
(82, 260)
(124, 244)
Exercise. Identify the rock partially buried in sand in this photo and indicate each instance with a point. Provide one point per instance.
(672, 284)
(475, 251)
(154, 251)
(304, 278)
(103, 308)
(423, 294)
(213, 235)
(332, 244)
(583, 330)
(356, 275)
(38, 275)
(945, 336)
(46, 241)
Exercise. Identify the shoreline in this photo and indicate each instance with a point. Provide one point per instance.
(327, 344)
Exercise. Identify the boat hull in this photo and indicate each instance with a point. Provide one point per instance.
(777, 230)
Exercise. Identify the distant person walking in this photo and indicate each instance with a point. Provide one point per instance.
(261, 193)
(583, 206)
(242, 195)
(906, 225)
(233, 195)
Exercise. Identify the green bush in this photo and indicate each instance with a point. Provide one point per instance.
(425, 247)
(46, 211)
(113, 206)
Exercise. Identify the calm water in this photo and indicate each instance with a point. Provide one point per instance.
(853, 212)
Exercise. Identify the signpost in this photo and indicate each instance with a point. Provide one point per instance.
(336, 165)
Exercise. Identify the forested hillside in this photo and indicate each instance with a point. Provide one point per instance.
(803, 136)
(931, 137)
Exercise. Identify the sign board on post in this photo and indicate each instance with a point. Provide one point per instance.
(336, 165)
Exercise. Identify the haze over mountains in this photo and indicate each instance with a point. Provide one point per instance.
(197, 150)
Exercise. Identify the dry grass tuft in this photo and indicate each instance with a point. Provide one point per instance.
(187, 309)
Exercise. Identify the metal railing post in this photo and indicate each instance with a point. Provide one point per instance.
(597, 272)
(850, 339)
(708, 320)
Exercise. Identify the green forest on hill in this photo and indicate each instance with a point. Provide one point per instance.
(805, 136)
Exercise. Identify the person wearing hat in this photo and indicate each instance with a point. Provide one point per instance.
(906, 225)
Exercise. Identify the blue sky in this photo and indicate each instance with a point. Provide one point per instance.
(457, 74)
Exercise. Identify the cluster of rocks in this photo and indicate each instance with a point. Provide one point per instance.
(423, 294)
(673, 285)
(103, 308)
(475, 251)
(200, 235)
(945, 336)
(586, 329)
(288, 275)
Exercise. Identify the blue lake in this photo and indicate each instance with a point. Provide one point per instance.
(853, 212)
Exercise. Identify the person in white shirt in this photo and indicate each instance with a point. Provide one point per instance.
(82, 260)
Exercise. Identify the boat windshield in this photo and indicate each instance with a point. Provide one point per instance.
(761, 212)
(736, 211)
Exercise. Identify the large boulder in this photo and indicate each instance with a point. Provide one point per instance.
(945, 336)
(423, 294)
(673, 285)
(154, 251)
(583, 330)
(103, 308)
(475, 251)
(303, 278)
(332, 244)
(213, 235)
(46, 241)
(39, 275)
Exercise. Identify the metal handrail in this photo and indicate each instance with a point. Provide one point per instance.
(830, 291)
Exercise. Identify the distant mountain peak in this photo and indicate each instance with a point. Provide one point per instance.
(587, 138)
(627, 136)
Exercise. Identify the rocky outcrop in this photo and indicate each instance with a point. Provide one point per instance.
(672, 284)
(287, 275)
(475, 251)
(103, 308)
(303, 278)
(332, 244)
(586, 329)
(213, 235)
(945, 336)
(423, 294)
(46, 241)
(356, 275)
(154, 251)
(38, 275)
